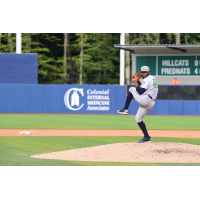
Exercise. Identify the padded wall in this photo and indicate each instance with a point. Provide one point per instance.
(94, 99)
(18, 68)
(28, 98)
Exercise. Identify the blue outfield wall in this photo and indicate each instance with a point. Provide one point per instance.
(18, 68)
(30, 98)
(170, 107)
(83, 99)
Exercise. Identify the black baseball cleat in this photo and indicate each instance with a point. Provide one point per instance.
(123, 111)
(144, 140)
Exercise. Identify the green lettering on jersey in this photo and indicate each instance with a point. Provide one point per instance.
(155, 83)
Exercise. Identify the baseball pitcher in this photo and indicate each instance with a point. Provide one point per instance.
(145, 94)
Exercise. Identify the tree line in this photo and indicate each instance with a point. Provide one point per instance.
(85, 58)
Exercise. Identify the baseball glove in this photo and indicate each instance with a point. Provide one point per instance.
(136, 77)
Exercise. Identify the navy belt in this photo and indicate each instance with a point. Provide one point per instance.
(150, 97)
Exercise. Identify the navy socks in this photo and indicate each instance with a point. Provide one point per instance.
(140, 124)
(143, 128)
(128, 100)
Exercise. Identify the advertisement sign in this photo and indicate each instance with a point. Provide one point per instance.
(93, 99)
(72, 99)
(90, 99)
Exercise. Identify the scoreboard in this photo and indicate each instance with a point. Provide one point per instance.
(170, 65)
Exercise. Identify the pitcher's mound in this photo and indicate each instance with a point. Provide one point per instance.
(131, 152)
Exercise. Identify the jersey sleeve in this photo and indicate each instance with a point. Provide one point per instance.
(145, 84)
(140, 90)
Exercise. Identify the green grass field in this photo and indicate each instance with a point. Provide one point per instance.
(120, 122)
(16, 151)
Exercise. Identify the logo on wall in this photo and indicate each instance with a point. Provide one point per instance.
(75, 100)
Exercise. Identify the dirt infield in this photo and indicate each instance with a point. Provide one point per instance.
(131, 152)
(50, 132)
(120, 152)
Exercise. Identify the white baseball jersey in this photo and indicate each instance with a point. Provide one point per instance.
(151, 86)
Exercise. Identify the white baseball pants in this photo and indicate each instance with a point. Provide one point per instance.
(146, 104)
